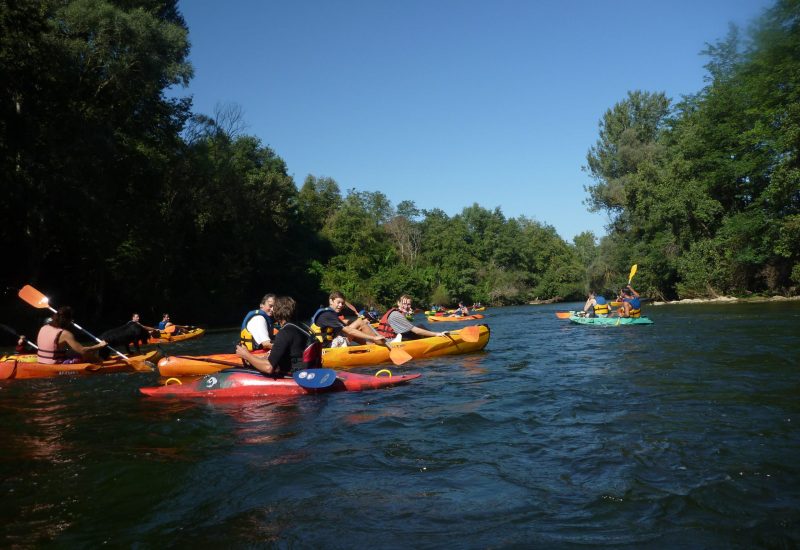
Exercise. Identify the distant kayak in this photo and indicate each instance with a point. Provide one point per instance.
(26, 366)
(613, 321)
(167, 338)
(454, 318)
(242, 384)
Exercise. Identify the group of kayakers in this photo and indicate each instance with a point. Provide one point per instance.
(265, 329)
(630, 305)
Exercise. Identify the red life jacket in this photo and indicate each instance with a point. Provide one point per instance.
(384, 328)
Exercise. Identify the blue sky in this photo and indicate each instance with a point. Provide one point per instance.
(449, 103)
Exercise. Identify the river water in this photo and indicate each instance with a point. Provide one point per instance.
(684, 433)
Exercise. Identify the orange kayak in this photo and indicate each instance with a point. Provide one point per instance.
(167, 338)
(26, 366)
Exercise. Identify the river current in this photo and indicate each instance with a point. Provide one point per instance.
(684, 433)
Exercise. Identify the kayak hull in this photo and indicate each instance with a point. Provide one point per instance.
(339, 358)
(169, 338)
(610, 321)
(454, 318)
(238, 384)
(25, 366)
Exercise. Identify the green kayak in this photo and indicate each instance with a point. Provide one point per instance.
(613, 321)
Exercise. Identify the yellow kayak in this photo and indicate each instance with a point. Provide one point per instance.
(373, 354)
(344, 357)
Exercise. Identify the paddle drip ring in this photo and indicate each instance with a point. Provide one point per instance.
(172, 381)
(387, 371)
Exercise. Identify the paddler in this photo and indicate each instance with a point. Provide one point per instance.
(394, 323)
(332, 332)
(258, 325)
(596, 306)
(288, 345)
(55, 337)
(631, 305)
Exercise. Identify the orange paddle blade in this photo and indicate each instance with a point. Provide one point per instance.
(399, 356)
(478, 316)
(170, 329)
(470, 334)
(563, 314)
(34, 297)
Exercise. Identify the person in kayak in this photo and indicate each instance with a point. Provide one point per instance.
(631, 305)
(258, 325)
(164, 327)
(333, 332)
(288, 346)
(55, 337)
(596, 306)
(394, 323)
(462, 309)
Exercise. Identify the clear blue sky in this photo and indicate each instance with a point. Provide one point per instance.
(449, 103)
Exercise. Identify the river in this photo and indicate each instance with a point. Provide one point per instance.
(684, 433)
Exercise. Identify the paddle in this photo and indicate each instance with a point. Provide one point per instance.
(40, 301)
(634, 267)
(314, 379)
(470, 334)
(15, 333)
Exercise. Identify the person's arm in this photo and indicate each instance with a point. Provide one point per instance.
(260, 330)
(588, 304)
(634, 292)
(260, 362)
(69, 338)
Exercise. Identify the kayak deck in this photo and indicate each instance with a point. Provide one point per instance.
(238, 384)
(25, 366)
(610, 321)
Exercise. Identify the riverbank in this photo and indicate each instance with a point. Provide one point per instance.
(728, 300)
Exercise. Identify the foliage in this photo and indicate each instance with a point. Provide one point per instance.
(121, 199)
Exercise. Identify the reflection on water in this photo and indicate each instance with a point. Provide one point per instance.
(678, 434)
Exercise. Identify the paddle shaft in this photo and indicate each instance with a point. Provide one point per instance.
(10, 330)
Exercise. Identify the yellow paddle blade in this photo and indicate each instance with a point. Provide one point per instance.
(634, 267)
(470, 334)
(399, 356)
(34, 297)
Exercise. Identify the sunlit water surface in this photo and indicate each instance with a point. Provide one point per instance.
(682, 433)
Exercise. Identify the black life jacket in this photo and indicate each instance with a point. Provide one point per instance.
(312, 352)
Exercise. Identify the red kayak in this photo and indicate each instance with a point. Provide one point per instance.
(237, 384)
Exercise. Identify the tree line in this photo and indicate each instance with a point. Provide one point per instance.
(119, 198)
